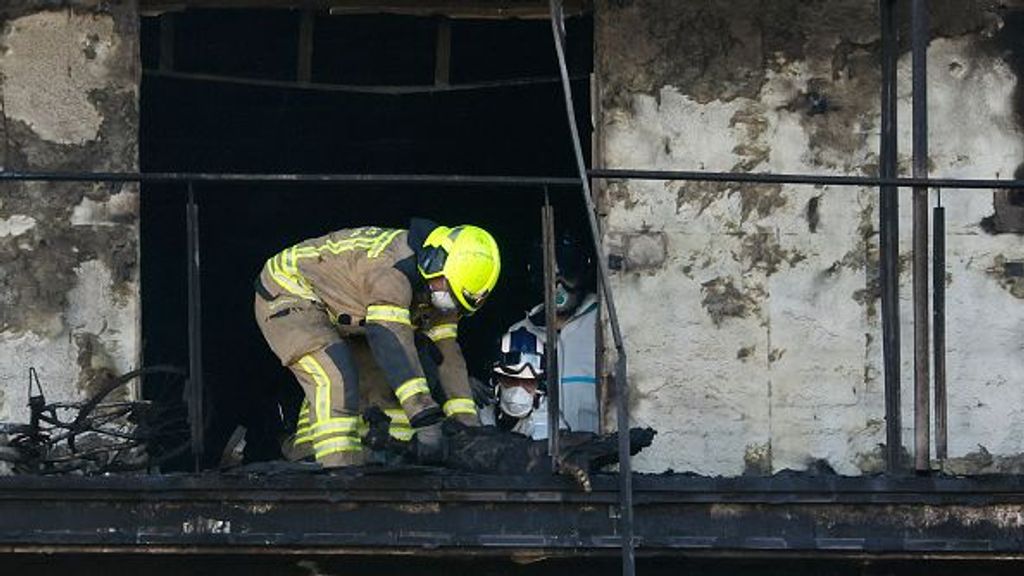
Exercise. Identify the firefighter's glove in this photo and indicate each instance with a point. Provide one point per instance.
(378, 436)
(430, 445)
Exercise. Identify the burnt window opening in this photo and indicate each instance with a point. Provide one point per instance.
(1008, 205)
(1009, 213)
(223, 98)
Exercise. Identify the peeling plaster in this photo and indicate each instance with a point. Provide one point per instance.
(1009, 275)
(16, 225)
(773, 336)
(723, 300)
(52, 61)
(758, 460)
(121, 208)
(69, 283)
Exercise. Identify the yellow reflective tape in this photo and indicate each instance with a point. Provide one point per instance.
(412, 387)
(323, 387)
(443, 332)
(385, 313)
(339, 246)
(404, 434)
(284, 267)
(397, 415)
(351, 440)
(291, 283)
(346, 425)
(382, 243)
(459, 406)
(335, 445)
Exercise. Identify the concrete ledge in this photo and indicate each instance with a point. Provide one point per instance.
(461, 515)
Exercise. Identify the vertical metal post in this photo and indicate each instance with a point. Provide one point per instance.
(621, 385)
(304, 60)
(166, 63)
(922, 347)
(888, 242)
(939, 328)
(551, 340)
(443, 53)
(195, 346)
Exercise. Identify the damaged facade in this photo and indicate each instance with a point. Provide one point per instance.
(754, 336)
(68, 251)
(750, 312)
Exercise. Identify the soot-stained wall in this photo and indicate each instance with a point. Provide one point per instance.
(751, 312)
(68, 251)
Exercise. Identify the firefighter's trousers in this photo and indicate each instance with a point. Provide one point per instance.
(325, 365)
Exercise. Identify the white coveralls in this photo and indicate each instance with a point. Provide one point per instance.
(577, 373)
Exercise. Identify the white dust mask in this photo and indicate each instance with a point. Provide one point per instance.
(443, 301)
(516, 401)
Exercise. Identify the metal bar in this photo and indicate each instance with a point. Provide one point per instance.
(622, 387)
(517, 9)
(304, 63)
(802, 179)
(166, 62)
(195, 346)
(888, 223)
(922, 348)
(443, 53)
(352, 88)
(517, 181)
(390, 179)
(939, 330)
(551, 329)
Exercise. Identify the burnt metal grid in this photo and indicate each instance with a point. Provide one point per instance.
(770, 491)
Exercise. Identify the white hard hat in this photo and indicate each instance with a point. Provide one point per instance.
(520, 355)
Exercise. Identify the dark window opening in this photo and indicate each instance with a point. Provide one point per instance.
(1009, 212)
(206, 125)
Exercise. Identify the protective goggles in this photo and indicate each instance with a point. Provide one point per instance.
(515, 363)
(433, 261)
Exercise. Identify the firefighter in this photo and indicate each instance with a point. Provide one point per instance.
(317, 299)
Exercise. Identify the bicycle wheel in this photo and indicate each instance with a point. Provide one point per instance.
(127, 425)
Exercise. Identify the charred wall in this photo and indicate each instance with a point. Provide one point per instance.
(68, 251)
(751, 312)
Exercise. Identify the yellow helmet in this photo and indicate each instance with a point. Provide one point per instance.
(467, 256)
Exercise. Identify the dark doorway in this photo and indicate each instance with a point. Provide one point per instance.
(224, 100)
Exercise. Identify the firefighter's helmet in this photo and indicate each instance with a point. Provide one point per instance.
(467, 257)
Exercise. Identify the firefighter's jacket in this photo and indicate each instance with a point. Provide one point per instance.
(367, 282)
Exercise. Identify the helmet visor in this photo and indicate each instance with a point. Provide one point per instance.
(432, 262)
